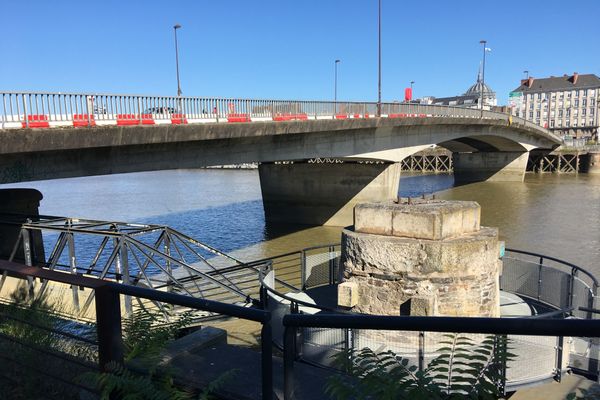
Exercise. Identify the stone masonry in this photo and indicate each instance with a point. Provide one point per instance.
(425, 258)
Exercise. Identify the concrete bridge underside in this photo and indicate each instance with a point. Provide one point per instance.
(309, 193)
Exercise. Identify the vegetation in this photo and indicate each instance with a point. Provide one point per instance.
(463, 369)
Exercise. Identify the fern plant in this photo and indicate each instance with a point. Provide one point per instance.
(463, 369)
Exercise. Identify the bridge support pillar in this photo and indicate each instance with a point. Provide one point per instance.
(490, 166)
(324, 193)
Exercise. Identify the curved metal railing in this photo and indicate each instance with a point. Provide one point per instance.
(562, 287)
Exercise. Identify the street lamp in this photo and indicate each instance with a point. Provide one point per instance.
(483, 42)
(335, 85)
(379, 62)
(411, 89)
(177, 26)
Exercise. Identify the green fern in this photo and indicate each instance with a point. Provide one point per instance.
(463, 369)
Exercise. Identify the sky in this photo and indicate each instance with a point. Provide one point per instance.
(283, 49)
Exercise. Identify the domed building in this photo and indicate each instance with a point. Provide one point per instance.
(470, 99)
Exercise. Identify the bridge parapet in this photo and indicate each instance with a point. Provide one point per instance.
(27, 109)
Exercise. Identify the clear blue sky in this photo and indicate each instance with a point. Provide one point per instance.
(286, 49)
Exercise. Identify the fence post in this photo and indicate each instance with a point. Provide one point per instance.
(559, 357)
(421, 350)
(266, 343)
(289, 355)
(108, 326)
(571, 290)
(303, 270)
(25, 110)
(539, 288)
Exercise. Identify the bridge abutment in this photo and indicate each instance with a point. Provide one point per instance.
(324, 193)
(507, 166)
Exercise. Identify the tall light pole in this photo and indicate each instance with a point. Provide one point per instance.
(483, 42)
(335, 86)
(177, 26)
(526, 72)
(379, 63)
(411, 89)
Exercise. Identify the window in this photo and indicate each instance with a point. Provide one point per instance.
(584, 103)
(568, 112)
(583, 122)
(575, 112)
(577, 103)
(577, 93)
(531, 106)
(517, 114)
(562, 96)
(591, 112)
(545, 114)
(592, 102)
(537, 121)
(568, 123)
(560, 104)
(583, 112)
(585, 92)
(553, 95)
(574, 123)
(539, 96)
(530, 114)
(552, 113)
(568, 95)
(537, 114)
(559, 123)
(552, 124)
(560, 113)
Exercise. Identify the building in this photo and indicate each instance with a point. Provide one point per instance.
(567, 105)
(470, 99)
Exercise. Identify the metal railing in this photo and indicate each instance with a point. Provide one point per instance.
(108, 314)
(153, 256)
(561, 289)
(295, 323)
(21, 109)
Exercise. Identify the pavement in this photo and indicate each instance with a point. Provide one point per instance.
(557, 390)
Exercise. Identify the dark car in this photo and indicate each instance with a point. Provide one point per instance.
(162, 110)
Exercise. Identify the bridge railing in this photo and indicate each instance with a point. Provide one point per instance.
(43, 110)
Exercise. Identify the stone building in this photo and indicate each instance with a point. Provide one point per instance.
(470, 99)
(567, 105)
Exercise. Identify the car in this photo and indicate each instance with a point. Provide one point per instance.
(162, 110)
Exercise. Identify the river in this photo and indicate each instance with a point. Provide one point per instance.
(556, 215)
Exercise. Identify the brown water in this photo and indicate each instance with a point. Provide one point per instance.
(556, 215)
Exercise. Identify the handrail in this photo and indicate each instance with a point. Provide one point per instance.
(483, 325)
(558, 260)
(88, 108)
(23, 271)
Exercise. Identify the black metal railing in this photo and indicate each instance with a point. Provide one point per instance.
(109, 338)
(294, 323)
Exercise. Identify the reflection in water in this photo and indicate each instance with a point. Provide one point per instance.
(557, 215)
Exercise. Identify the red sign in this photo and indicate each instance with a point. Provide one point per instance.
(407, 94)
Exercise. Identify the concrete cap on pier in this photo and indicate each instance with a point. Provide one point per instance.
(421, 219)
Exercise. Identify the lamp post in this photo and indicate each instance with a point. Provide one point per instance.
(411, 89)
(335, 86)
(526, 72)
(177, 26)
(483, 42)
(379, 62)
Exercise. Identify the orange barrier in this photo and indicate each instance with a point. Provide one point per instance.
(290, 117)
(398, 115)
(82, 120)
(134, 119)
(341, 116)
(236, 117)
(37, 121)
(178, 119)
(361, 116)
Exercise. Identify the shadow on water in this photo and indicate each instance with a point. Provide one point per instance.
(417, 184)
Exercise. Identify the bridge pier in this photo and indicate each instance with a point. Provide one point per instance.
(324, 193)
(506, 166)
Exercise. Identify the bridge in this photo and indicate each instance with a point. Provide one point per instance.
(317, 158)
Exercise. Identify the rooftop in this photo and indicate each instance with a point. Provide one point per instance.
(553, 83)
